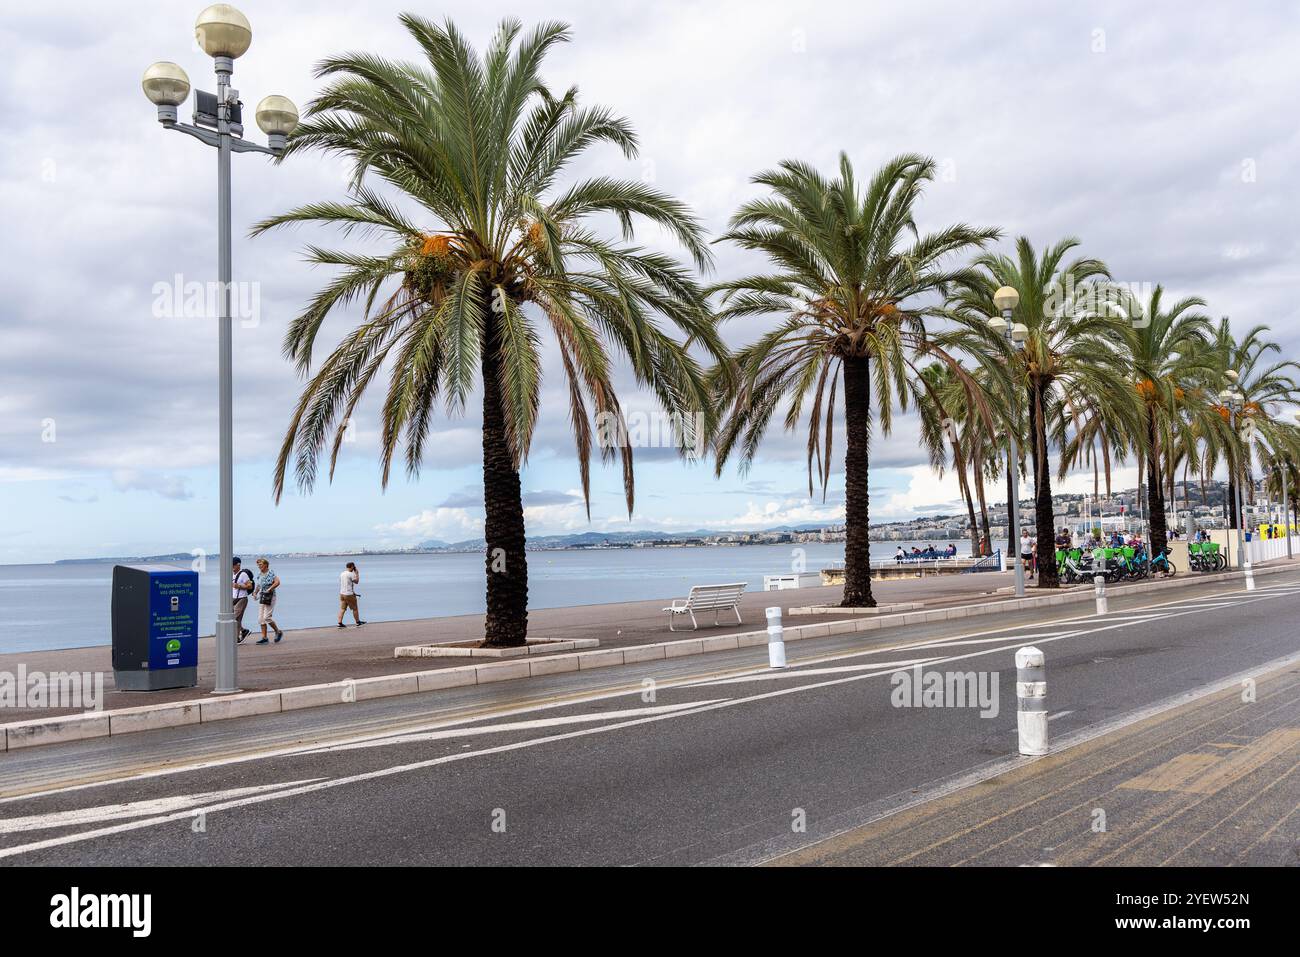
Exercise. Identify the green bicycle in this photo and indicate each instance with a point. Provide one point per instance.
(1205, 557)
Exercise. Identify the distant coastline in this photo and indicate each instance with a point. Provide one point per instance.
(586, 541)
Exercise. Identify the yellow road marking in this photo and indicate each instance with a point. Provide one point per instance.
(1202, 773)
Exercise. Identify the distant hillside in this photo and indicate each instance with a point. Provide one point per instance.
(590, 539)
(184, 557)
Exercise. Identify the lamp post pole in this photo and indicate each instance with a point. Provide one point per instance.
(1237, 478)
(1286, 508)
(1015, 491)
(224, 34)
(1006, 299)
(226, 637)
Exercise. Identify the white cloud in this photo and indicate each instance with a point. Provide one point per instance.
(926, 493)
(168, 486)
(444, 524)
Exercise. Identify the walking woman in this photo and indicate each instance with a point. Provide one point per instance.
(266, 590)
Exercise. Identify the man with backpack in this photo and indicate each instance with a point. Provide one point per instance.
(241, 584)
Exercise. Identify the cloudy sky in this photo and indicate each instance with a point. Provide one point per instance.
(1162, 134)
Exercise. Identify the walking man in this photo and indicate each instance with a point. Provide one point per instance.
(348, 580)
(241, 585)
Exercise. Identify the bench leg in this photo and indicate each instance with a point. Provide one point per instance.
(695, 625)
(672, 617)
(737, 611)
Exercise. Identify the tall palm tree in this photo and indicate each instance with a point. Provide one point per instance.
(1282, 474)
(495, 252)
(1170, 352)
(1268, 386)
(1069, 355)
(853, 281)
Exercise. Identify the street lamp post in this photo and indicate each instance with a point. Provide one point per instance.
(1286, 506)
(224, 34)
(1006, 299)
(1235, 401)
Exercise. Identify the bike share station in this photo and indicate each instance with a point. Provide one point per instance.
(155, 627)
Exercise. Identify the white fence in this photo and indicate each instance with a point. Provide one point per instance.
(1265, 549)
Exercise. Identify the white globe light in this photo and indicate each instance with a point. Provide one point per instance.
(223, 31)
(276, 114)
(1006, 298)
(998, 324)
(166, 84)
(1019, 332)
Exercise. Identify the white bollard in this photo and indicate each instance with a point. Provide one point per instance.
(1099, 586)
(1250, 576)
(1031, 700)
(775, 639)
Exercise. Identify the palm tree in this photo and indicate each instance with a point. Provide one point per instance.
(1267, 386)
(854, 281)
(495, 253)
(1069, 358)
(1169, 349)
(950, 422)
(1282, 468)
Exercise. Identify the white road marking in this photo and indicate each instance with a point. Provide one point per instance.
(109, 812)
(777, 675)
(509, 726)
(955, 643)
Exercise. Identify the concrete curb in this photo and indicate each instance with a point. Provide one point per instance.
(101, 724)
(837, 610)
(468, 649)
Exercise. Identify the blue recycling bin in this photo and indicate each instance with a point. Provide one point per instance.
(155, 627)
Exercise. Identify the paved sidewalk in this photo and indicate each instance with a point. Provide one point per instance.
(320, 655)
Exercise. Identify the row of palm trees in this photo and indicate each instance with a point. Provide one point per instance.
(486, 245)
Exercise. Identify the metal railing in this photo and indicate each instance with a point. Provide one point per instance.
(989, 563)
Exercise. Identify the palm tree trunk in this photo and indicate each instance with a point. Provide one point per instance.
(1044, 515)
(970, 517)
(1155, 490)
(857, 532)
(507, 562)
(959, 463)
(984, 507)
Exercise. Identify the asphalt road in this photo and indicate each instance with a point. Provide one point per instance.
(708, 759)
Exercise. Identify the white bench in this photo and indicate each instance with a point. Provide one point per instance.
(715, 598)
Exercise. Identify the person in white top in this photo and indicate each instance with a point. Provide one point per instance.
(1027, 551)
(348, 579)
(241, 586)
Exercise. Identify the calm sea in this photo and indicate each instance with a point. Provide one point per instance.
(67, 606)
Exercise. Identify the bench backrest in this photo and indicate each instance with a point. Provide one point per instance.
(715, 596)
